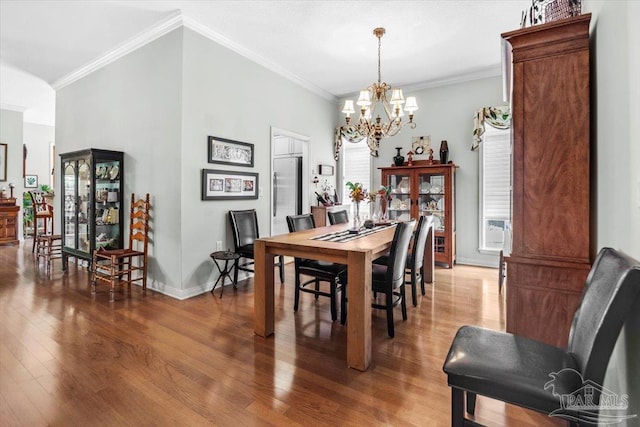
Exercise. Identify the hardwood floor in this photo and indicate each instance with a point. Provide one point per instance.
(69, 358)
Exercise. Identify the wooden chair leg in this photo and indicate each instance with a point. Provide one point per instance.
(343, 305)
(471, 403)
(403, 302)
(422, 279)
(332, 293)
(235, 270)
(457, 407)
(390, 329)
(414, 281)
(281, 262)
(296, 300)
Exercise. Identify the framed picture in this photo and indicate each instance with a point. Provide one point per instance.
(420, 145)
(228, 185)
(325, 170)
(31, 181)
(228, 152)
(3, 162)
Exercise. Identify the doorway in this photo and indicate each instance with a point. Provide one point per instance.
(289, 169)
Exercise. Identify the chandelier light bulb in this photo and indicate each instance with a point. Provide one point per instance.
(397, 98)
(348, 108)
(411, 105)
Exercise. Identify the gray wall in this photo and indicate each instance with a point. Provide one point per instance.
(616, 101)
(135, 105)
(227, 95)
(446, 112)
(158, 104)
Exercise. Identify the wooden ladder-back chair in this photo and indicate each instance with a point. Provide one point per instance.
(117, 265)
(42, 217)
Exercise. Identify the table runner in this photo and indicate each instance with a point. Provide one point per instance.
(345, 236)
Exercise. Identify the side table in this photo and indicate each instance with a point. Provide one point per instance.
(225, 256)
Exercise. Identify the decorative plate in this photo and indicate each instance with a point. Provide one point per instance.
(114, 172)
(437, 222)
(101, 172)
(425, 187)
(441, 204)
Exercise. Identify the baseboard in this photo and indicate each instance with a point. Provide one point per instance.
(477, 262)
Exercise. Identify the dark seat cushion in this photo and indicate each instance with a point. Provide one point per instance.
(311, 267)
(510, 368)
(384, 259)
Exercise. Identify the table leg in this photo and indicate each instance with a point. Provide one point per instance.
(264, 303)
(359, 311)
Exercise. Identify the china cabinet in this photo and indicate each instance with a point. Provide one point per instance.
(8, 221)
(552, 241)
(92, 202)
(424, 189)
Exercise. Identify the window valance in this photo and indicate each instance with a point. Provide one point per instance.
(498, 117)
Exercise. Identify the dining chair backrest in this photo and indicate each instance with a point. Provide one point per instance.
(244, 224)
(338, 217)
(611, 289)
(300, 222)
(398, 253)
(420, 241)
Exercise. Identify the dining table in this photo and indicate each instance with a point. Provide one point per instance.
(357, 254)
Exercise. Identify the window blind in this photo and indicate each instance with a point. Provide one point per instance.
(356, 166)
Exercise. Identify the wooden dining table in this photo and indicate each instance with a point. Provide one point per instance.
(357, 254)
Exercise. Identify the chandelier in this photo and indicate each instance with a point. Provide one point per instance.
(373, 103)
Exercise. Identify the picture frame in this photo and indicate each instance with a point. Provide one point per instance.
(31, 181)
(229, 152)
(325, 169)
(420, 145)
(229, 185)
(3, 162)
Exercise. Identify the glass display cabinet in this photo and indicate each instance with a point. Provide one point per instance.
(92, 202)
(425, 190)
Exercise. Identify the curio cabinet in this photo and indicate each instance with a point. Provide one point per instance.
(92, 202)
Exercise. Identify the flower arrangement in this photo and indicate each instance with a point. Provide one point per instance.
(356, 192)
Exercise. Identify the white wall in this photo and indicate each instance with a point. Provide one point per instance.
(135, 105)
(446, 112)
(616, 102)
(226, 95)
(11, 133)
(38, 139)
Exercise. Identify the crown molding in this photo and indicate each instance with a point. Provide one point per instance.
(171, 23)
(13, 107)
(158, 30)
(212, 35)
(481, 73)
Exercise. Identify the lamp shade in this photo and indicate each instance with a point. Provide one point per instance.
(365, 98)
(411, 105)
(397, 98)
(348, 107)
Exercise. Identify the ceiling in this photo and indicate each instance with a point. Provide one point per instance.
(328, 46)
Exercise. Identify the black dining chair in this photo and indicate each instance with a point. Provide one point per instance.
(415, 257)
(338, 217)
(320, 271)
(244, 225)
(389, 279)
(536, 375)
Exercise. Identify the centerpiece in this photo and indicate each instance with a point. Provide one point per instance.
(356, 194)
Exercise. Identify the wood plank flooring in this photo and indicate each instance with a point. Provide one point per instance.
(68, 358)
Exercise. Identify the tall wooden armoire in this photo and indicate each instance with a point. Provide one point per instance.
(552, 221)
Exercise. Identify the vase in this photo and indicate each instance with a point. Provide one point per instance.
(444, 152)
(356, 214)
(403, 185)
(384, 212)
(398, 160)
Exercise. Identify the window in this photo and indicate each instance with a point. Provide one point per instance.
(355, 166)
(495, 189)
